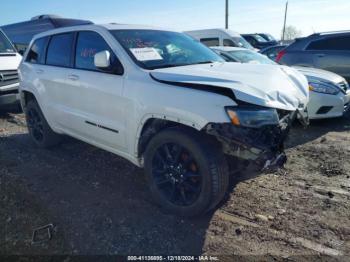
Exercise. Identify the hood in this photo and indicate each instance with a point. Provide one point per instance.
(271, 86)
(322, 75)
(9, 61)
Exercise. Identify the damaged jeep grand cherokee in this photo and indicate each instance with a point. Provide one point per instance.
(163, 101)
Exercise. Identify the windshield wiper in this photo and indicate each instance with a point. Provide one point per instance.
(167, 66)
(204, 62)
(176, 65)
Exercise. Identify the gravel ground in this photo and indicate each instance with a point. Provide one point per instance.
(99, 203)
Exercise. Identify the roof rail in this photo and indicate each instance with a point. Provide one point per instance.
(38, 17)
(332, 32)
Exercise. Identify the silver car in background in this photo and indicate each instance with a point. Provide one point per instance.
(329, 92)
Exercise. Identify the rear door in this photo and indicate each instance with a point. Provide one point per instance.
(53, 77)
(94, 98)
(332, 53)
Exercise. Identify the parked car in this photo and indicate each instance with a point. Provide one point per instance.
(268, 37)
(272, 51)
(163, 101)
(328, 51)
(219, 37)
(22, 33)
(258, 41)
(329, 92)
(9, 62)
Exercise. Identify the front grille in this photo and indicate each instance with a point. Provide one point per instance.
(344, 86)
(8, 77)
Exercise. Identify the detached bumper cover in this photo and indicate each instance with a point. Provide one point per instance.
(263, 146)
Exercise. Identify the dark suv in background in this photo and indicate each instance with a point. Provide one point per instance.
(328, 51)
(258, 41)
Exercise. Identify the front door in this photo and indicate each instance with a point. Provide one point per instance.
(96, 96)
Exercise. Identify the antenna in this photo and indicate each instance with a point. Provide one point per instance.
(227, 14)
(285, 21)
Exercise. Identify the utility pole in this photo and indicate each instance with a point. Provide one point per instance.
(285, 22)
(227, 14)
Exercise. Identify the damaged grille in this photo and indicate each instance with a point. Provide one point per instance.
(283, 114)
(8, 77)
(253, 143)
(269, 138)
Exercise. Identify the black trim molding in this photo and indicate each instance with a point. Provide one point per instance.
(103, 127)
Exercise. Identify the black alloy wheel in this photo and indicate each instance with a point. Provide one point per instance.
(176, 174)
(35, 124)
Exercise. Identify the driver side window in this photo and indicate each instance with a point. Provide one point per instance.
(88, 44)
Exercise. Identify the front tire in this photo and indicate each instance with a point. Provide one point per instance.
(187, 174)
(39, 130)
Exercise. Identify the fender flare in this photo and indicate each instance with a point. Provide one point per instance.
(40, 103)
(191, 124)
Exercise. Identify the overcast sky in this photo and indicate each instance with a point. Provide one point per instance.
(246, 16)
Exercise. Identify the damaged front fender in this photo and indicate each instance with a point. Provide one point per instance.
(263, 146)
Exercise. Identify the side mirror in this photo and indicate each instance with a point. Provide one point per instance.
(102, 60)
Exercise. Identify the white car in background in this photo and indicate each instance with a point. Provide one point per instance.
(220, 37)
(9, 62)
(329, 92)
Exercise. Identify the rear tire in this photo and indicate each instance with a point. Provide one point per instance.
(187, 174)
(39, 130)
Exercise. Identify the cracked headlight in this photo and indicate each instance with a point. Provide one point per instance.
(322, 87)
(252, 117)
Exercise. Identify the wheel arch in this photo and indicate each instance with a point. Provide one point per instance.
(27, 96)
(153, 124)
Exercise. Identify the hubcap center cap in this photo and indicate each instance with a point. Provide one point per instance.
(176, 173)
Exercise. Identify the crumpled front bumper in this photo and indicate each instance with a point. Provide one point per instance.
(263, 146)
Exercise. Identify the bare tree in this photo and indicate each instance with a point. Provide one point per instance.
(291, 33)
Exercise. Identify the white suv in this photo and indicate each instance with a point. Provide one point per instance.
(163, 101)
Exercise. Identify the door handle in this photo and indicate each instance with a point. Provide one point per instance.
(39, 71)
(321, 55)
(73, 77)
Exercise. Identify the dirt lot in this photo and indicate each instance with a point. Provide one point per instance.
(98, 203)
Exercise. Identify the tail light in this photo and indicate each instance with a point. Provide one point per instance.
(280, 55)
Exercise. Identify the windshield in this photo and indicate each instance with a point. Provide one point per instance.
(268, 37)
(260, 39)
(241, 42)
(247, 56)
(153, 49)
(5, 45)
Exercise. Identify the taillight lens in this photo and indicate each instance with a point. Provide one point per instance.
(280, 55)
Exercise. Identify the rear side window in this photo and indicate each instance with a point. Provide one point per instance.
(331, 43)
(210, 41)
(88, 44)
(36, 54)
(60, 50)
(229, 42)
